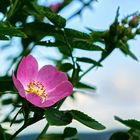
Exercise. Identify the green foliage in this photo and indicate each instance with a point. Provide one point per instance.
(69, 132)
(132, 134)
(6, 29)
(52, 16)
(130, 123)
(66, 67)
(56, 117)
(88, 60)
(59, 118)
(86, 120)
(120, 136)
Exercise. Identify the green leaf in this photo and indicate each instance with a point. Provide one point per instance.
(71, 33)
(58, 118)
(6, 101)
(37, 30)
(86, 120)
(69, 132)
(130, 123)
(125, 49)
(88, 60)
(63, 48)
(11, 31)
(120, 136)
(85, 86)
(66, 67)
(56, 19)
(86, 45)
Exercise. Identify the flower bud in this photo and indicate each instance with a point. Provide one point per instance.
(134, 22)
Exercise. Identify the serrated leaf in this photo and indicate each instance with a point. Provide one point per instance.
(58, 118)
(88, 60)
(71, 33)
(130, 123)
(85, 86)
(69, 132)
(86, 120)
(66, 67)
(86, 45)
(56, 19)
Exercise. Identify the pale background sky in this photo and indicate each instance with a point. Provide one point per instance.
(118, 81)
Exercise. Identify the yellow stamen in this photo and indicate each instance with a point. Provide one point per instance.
(37, 88)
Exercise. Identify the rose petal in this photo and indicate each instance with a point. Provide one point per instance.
(18, 85)
(61, 91)
(58, 79)
(34, 99)
(46, 74)
(27, 70)
(51, 77)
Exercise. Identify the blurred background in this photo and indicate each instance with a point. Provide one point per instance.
(117, 82)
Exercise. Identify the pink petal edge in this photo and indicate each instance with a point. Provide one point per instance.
(27, 70)
(19, 86)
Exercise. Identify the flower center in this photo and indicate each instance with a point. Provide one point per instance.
(37, 88)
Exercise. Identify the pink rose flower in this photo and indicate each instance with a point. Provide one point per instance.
(44, 87)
